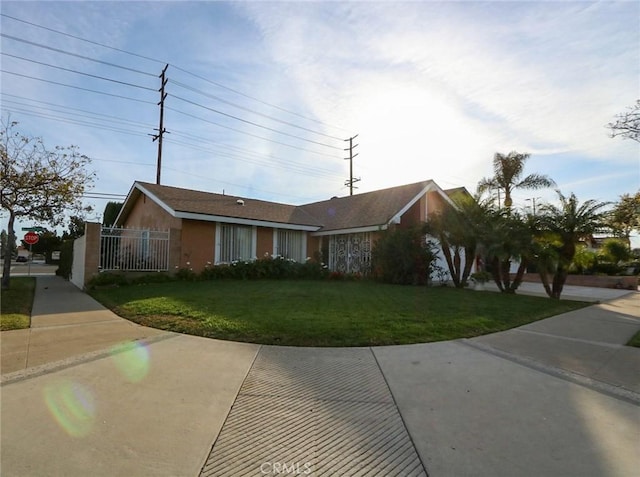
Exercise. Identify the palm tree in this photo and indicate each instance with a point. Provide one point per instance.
(562, 229)
(510, 236)
(507, 173)
(459, 232)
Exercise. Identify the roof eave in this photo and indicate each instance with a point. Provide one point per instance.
(354, 230)
(240, 221)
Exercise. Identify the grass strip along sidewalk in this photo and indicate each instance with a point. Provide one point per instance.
(16, 304)
(324, 313)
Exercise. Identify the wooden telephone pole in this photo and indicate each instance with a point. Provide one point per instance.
(351, 179)
(161, 130)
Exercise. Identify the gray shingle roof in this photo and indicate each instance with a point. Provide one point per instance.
(208, 203)
(376, 208)
(364, 210)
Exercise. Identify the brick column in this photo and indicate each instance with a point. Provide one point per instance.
(92, 250)
(175, 249)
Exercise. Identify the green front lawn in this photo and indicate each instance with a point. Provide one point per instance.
(16, 304)
(635, 340)
(324, 313)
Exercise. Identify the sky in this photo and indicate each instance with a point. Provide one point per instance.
(262, 97)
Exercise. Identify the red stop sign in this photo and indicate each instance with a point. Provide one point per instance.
(31, 238)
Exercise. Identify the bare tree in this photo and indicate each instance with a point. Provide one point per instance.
(38, 183)
(627, 124)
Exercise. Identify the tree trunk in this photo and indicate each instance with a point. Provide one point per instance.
(468, 263)
(506, 277)
(456, 264)
(11, 240)
(446, 251)
(558, 281)
(544, 278)
(519, 274)
(495, 272)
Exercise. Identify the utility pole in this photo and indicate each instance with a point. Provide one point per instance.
(161, 130)
(533, 200)
(351, 180)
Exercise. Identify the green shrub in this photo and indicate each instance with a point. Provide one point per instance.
(607, 269)
(615, 251)
(267, 267)
(66, 259)
(403, 256)
(186, 275)
(107, 279)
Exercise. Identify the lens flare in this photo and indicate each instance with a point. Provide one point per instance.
(132, 360)
(72, 406)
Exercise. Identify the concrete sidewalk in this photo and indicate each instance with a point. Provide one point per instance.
(65, 322)
(87, 393)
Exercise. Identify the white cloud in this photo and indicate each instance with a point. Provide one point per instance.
(433, 89)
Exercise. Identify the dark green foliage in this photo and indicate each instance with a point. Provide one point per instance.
(49, 242)
(615, 251)
(403, 257)
(76, 227)
(111, 211)
(108, 279)
(66, 259)
(265, 268)
(605, 268)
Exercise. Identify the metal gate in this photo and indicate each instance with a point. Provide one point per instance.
(350, 253)
(137, 250)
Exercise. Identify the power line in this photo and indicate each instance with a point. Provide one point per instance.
(80, 38)
(250, 134)
(256, 99)
(63, 107)
(72, 121)
(176, 67)
(242, 186)
(295, 168)
(76, 87)
(292, 167)
(243, 151)
(64, 52)
(253, 124)
(240, 153)
(78, 72)
(266, 161)
(195, 90)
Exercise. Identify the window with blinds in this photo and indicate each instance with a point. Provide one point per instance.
(291, 244)
(235, 243)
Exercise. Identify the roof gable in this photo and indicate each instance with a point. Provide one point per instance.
(376, 208)
(370, 209)
(187, 203)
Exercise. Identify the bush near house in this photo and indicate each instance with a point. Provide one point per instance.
(66, 259)
(267, 267)
(403, 257)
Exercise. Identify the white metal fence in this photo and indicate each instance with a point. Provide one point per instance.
(134, 249)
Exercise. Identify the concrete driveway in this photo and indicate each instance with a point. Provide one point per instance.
(93, 394)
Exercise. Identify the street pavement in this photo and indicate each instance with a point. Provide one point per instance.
(85, 392)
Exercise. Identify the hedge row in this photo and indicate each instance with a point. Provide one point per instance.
(264, 268)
